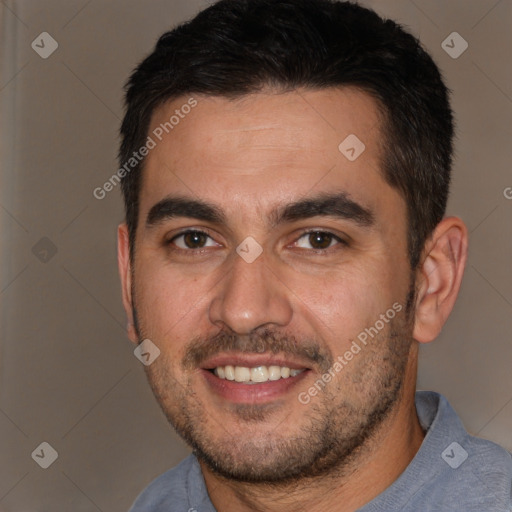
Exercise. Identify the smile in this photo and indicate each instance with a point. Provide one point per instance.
(257, 374)
(253, 378)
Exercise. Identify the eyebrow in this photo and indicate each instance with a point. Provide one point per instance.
(337, 205)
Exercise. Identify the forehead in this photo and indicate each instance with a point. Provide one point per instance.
(254, 152)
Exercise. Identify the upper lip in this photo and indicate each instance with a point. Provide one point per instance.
(253, 360)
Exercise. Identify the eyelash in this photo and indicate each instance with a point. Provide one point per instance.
(200, 250)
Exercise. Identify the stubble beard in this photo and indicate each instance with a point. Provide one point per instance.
(335, 427)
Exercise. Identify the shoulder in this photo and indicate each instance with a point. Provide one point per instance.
(491, 465)
(472, 473)
(170, 489)
(452, 470)
(467, 469)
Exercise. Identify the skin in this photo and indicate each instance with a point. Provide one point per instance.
(247, 157)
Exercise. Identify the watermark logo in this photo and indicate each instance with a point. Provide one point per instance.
(454, 455)
(44, 45)
(454, 45)
(44, 250)
(151, 142)
(45, 455)
(249, 249)
(351, 147)
(355, 348)
(146, 352)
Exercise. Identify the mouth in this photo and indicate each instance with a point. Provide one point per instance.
(254, 375)
(252, 378)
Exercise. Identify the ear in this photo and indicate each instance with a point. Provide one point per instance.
(125, 273)
(441, 271)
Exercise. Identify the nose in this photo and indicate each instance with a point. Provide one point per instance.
(250, 296)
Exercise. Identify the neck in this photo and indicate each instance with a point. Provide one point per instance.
(377, 464)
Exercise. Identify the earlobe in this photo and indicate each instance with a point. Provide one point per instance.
(125, 274)
(440, 277)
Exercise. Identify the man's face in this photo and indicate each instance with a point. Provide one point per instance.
(287, 298)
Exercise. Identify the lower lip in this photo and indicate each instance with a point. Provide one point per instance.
(238, 392)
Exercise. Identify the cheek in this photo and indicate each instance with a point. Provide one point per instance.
(168, 300)
(343, 304)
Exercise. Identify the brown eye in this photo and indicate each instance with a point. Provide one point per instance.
(318, 240)
(192, 240)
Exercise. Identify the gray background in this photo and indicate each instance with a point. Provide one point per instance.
(68, 374)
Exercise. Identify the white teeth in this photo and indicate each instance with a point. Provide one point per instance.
(259, 374)
(256, 374)
(229, 371)
(242, 374)
(274, 372)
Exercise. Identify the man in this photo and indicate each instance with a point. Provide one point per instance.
(284, 255)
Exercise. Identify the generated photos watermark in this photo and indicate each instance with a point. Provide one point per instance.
(364, 337)
(151, 142)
